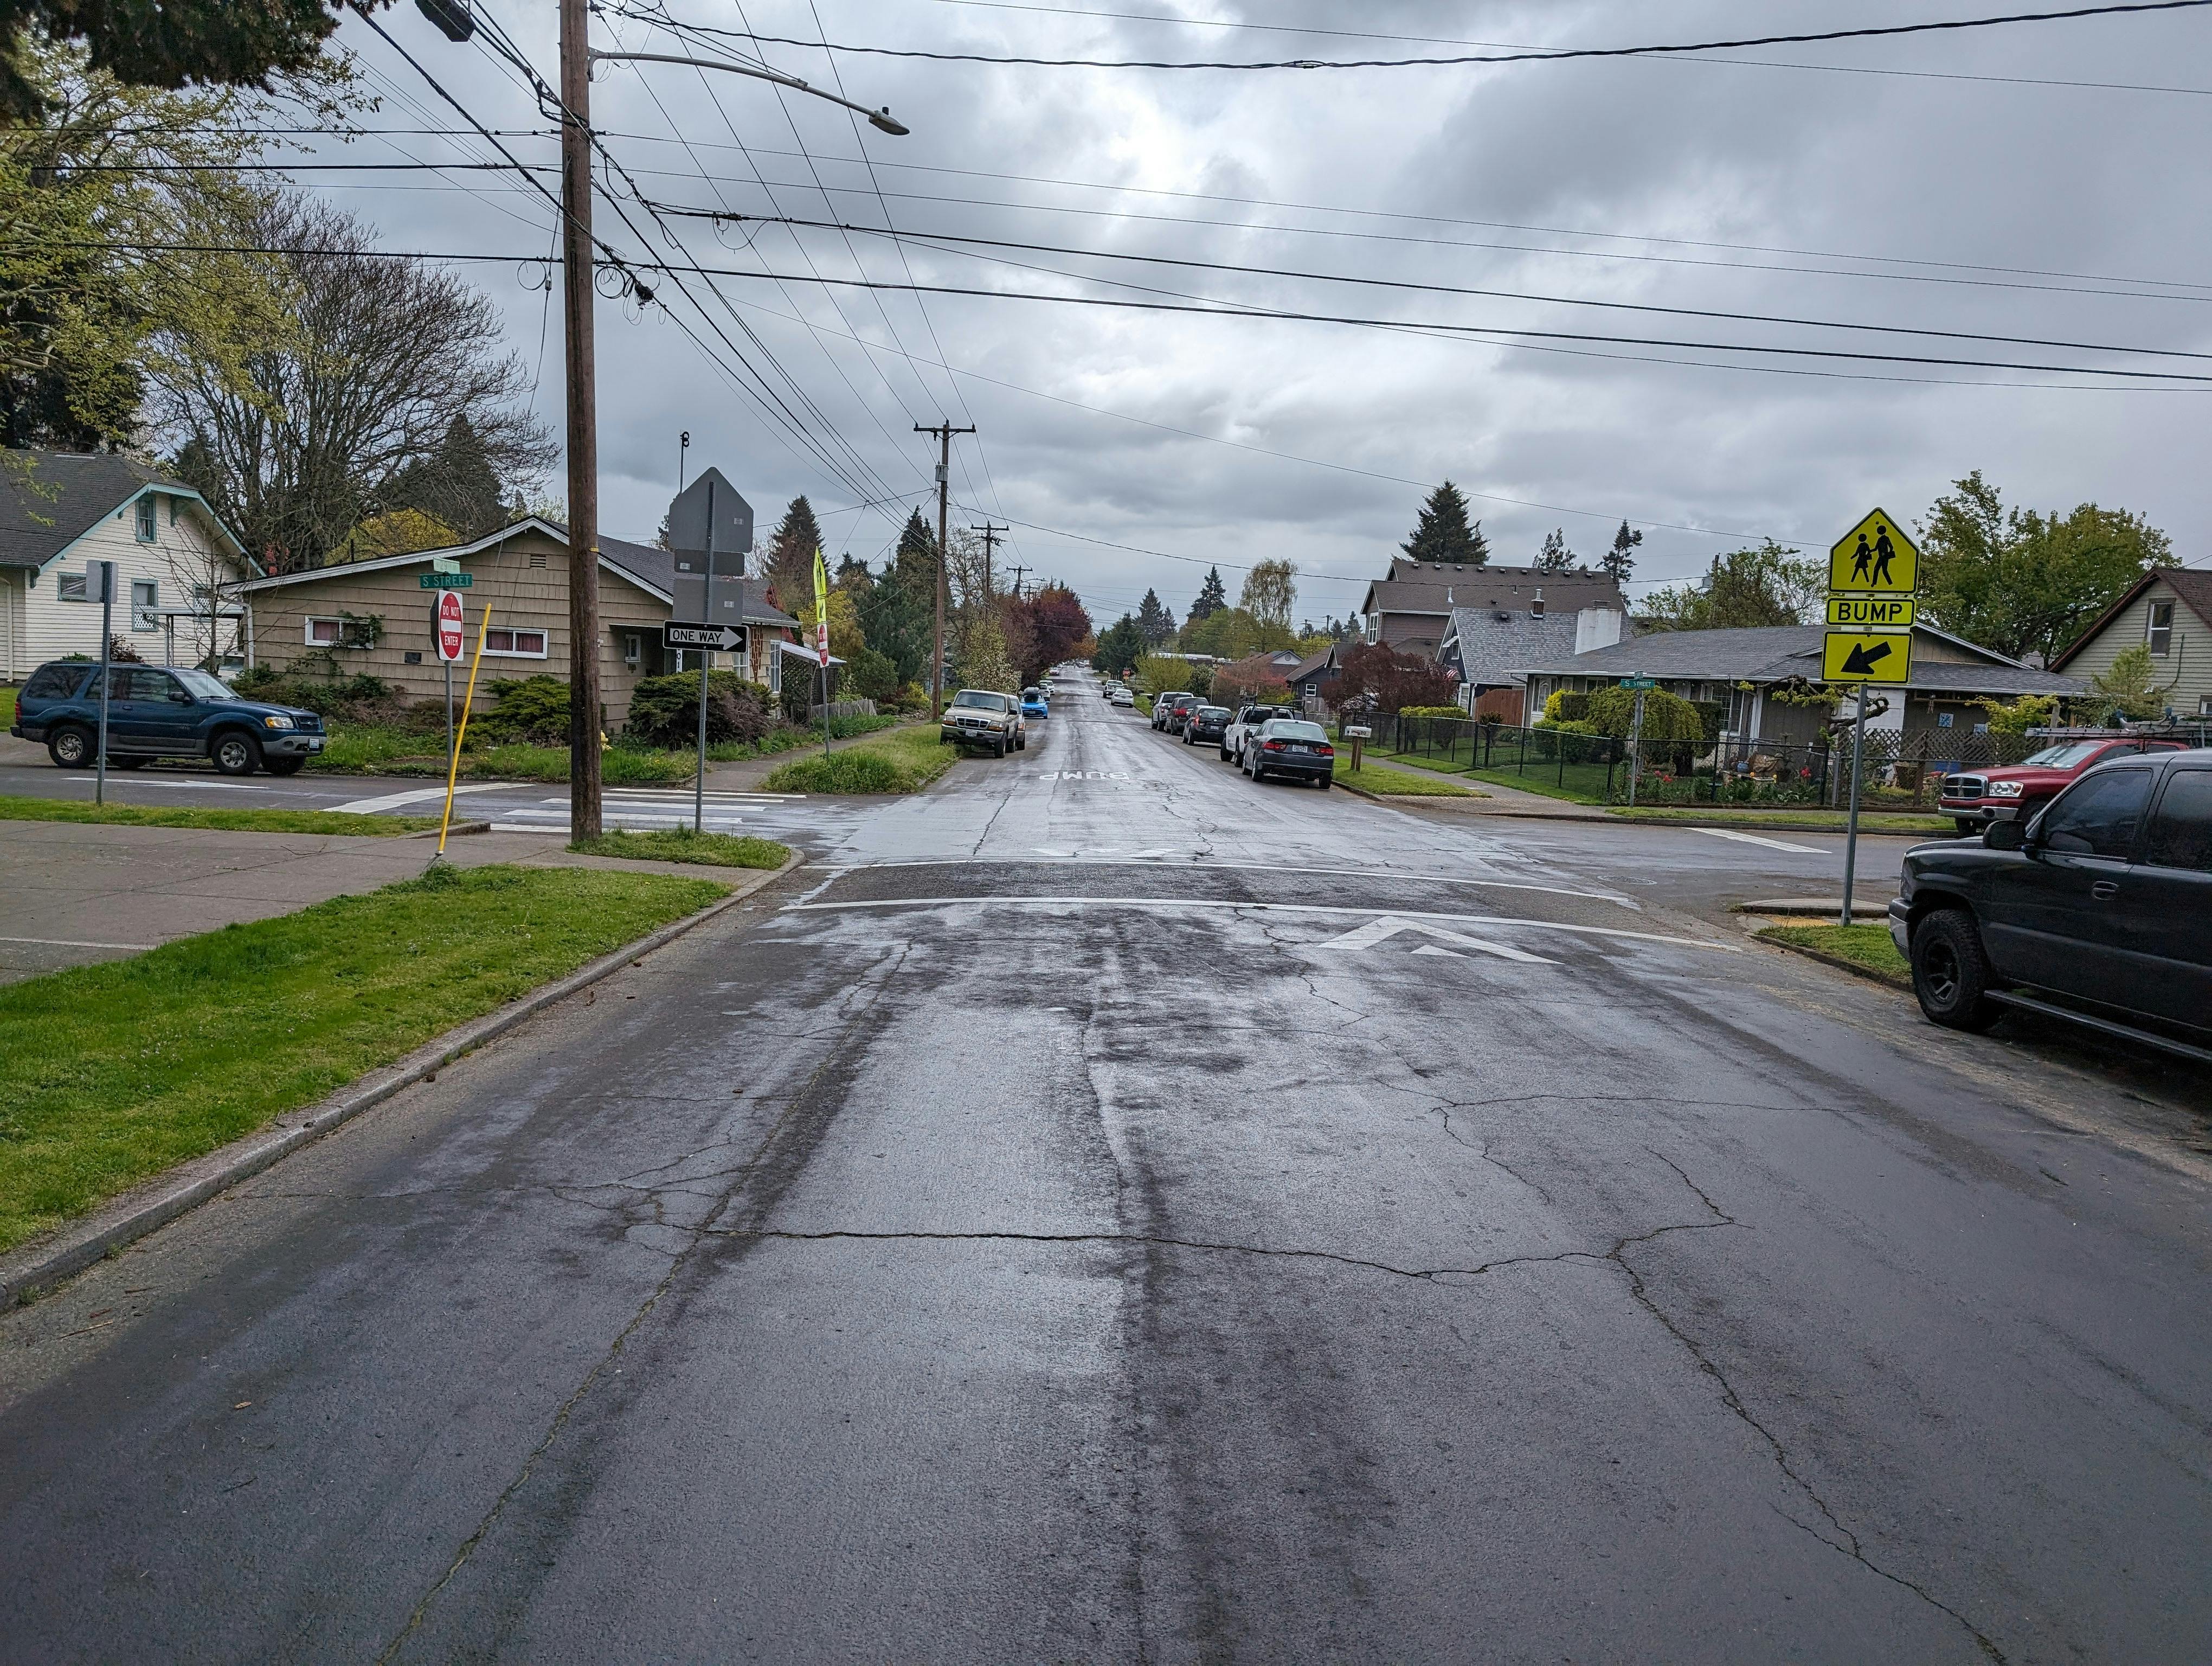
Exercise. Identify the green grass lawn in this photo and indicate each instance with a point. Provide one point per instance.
(1582, 783)
(233, 821)
(1386, 783)
(897, 761)
(1783, 815)
(681, 844)
(1867, 948)
(7, 707)
(111, 1073)
(1439, 765)
(379, 750)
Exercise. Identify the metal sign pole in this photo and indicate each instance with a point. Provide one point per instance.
(699, 782)
(1851, 827)
(106, 571)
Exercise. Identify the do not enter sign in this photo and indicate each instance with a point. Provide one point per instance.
(448, 621)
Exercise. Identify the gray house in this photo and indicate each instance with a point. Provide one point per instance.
(1485, 647)
(1741, 669)
(1410, 605)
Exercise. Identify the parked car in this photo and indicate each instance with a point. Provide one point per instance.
(2101, 902)
(156, 711)
(1109, 690)
(1122, 697)
(1975, 798)
(984, 718)
(1165, 706)
(1206, 723)
(1179, 716)
(1034, 704)
(1250, 718)
(1290, 746)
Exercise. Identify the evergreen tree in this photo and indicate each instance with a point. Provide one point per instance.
(791, 557)
(1444, 533)
(455, 484)
(898, 615)
(1153, 619)
(1212, 596)
(1121, 645)
(1617, 561)
(1554, 557)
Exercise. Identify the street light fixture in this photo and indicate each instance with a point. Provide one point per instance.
(881, 119)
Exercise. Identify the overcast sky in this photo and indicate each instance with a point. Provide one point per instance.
(1933, 181)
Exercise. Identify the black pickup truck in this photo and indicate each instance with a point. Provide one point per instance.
(2098, 911)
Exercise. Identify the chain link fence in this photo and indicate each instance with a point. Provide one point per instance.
(1901, 770)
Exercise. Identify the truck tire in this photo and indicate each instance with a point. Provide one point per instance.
(72, 748)
(1967, 826)
(1951, 974)
(235, 753)
(284, 766)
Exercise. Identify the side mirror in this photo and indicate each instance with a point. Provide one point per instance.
(2005, 835)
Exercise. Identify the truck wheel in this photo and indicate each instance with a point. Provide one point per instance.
(1224, 755)
(1951, 972)
(998, 749)
(70, 748)
(236, 753)
(284, 766)
(1967, 826)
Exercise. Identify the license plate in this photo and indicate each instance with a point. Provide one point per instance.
(1296, 748)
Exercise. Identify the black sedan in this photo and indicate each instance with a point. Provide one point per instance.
(1206, 723)
(1291, 747)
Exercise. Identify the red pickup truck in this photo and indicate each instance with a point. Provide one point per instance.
(1975, 798)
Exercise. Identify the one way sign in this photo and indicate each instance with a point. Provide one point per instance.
(1866, 656)
(722, 639)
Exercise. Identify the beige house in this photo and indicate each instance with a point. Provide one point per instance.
(2169, 612)
(61, 509)
(374, 617)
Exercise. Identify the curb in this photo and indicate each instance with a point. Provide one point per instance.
(28, 1274)
(455, 831)
(1836, 961)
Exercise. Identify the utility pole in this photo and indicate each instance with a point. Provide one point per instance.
(577, 274)
(944, 431)
(990, 536)
(1018, 570)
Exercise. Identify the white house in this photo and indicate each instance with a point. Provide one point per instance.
(59, 510)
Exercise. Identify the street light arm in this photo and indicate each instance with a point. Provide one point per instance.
(878, 118)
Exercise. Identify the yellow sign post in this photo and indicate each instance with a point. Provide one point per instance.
(454, 765)
(1875, 558)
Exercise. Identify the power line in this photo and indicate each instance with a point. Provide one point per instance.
(1452, 40)
(1540, 55)
(934, 239)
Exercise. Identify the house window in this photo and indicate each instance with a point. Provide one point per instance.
(2204, 706)
(146, 519)
(515, 644)
(145, 596)
(325, 633)
(2159, 635)
(633, 651)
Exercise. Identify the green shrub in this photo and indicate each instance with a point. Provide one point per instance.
(1666, 716)
(1432, 711)
(1566, 706)
(664, 711)
(534, 709)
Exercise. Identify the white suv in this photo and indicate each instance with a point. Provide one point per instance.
(980, 717)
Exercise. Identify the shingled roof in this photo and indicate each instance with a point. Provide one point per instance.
(51, 499)
(1438, 588)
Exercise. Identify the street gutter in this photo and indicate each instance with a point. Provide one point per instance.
(33, 1271)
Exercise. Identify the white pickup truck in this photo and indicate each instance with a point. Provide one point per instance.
(982, 717)
(1248, 718)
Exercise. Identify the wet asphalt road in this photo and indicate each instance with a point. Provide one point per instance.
(1004, 1240)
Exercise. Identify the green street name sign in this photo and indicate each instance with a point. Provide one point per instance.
(1871, 612)
(1638, 682)
(448, 580)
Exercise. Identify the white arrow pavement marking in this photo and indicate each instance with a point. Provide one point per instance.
(1430, 948)
(1753, 838)
(1169, 905)
(1382, 930)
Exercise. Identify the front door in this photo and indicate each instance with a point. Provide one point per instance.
(2062, 918)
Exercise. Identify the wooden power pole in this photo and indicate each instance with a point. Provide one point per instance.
(577, 274)
(990, 535)
(944, 431)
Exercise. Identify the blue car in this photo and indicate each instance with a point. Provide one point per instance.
(1033, 704)
(158, 712)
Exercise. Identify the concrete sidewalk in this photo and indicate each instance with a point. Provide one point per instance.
(79, 893)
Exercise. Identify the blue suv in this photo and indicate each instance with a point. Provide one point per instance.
(1033, 704)
(156, 711)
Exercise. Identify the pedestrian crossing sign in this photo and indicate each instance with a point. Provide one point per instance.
(1875, 557)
